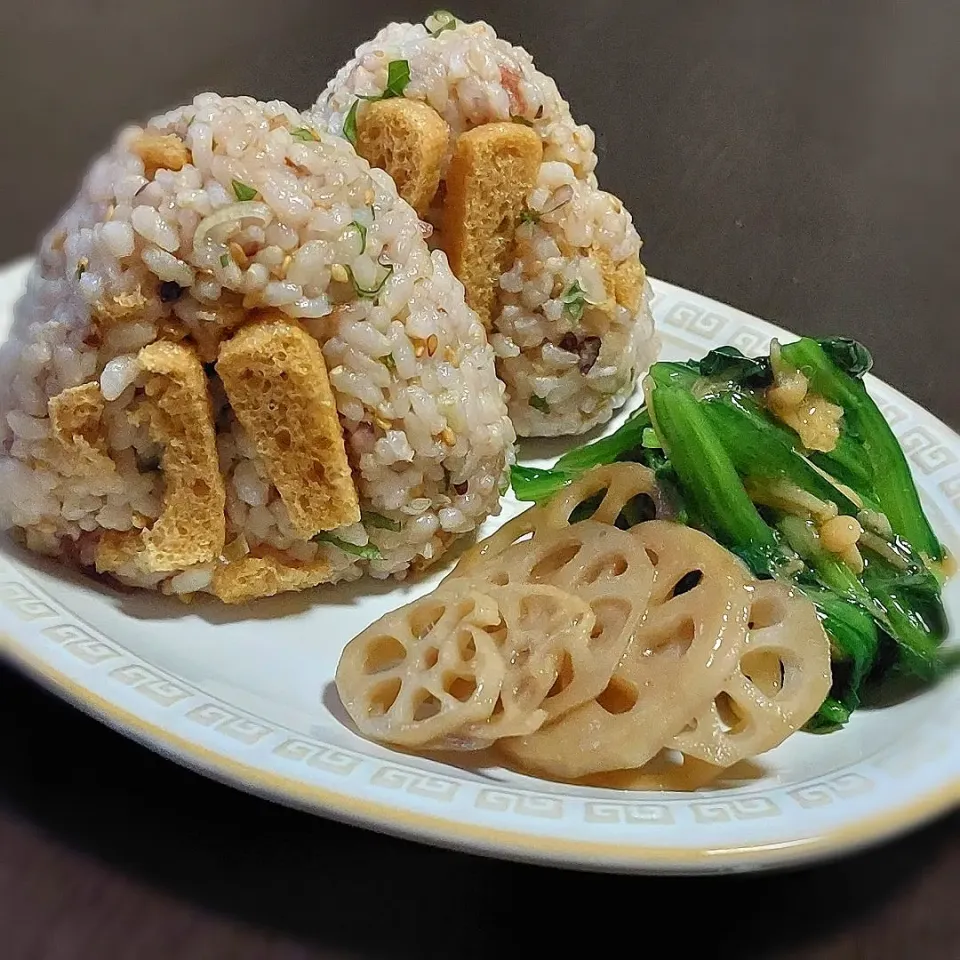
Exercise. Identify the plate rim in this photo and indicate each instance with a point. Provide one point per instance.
(419, 825)
(442, 831)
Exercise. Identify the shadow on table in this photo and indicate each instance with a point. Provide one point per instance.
(368, 895)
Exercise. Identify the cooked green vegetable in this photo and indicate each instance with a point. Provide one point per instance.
(305, 134)
(242, 191)
(371, 519)
(574, 299)
(367, 552)
(442, 20)
(350, 123)
(726, 464)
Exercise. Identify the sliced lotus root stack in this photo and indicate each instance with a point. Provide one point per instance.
(603, 566)
(688, 642)
(779, 682)
(423, 672)
(540, 627)
(601, 494)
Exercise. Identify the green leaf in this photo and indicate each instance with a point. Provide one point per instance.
(532, 483)
(370, 293)
(650, 440)
(529, 216)
(574, 299)
(305, 134)
(350, 123)
(242, 191)
(442, 20)
(398, 76)
(849, 355)
(371, 519)
(224, 259)
(368, 552)
(362, 230)
(729, 363)
(538, 403)
(831, 715)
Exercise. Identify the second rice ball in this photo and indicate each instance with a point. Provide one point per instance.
(482, 144)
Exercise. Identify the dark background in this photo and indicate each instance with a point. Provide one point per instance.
(796, 158)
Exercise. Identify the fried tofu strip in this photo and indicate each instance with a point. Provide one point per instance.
(177, 411)
(622, 281)
(276, 380)
(252, 577)
(493, 168)
(75, 418)
(408, 139)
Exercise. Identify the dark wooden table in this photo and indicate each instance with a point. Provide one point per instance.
(797, 159)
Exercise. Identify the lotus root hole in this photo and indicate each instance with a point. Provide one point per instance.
(497, 632)
(384, 653)
(638, 509)
(652, 556)
(383, 697)
(767, 612)
(686, 583)
(554, 562)
(430, 657)
(462, 688)
(610, 567)
(467, 646)
(586, 508)
(765, 670)
(618, 697)
(564, 676)
(611, 614)
(678, 642)
(424, 619)
(730, 718)
(428, 706)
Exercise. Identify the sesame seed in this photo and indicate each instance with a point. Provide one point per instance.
(419, 350)
(239, 257)
(432, 344)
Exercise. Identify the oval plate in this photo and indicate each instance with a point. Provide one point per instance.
(246, 696)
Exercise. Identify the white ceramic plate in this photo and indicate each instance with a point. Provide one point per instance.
(246, 696)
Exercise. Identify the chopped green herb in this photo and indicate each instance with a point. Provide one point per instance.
(304, 134)
(650, 440)
(398, 76)
(368, 552)
(370, 293)
(242, 191)
(224, 259)
(371, 519)
(362, 230)
(538, 403)
(523, 120)
(442, 20)
(574, 299)
(529, 216)
(350, 123)
(389, 362)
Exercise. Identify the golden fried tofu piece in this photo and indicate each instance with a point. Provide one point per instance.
(179, 416)
(160, 152)
(117, 549)
(121, 307)
(408, 139)
(492, 170)
(75, 417)
(622, 281)
(276, 381)
(265, 574)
